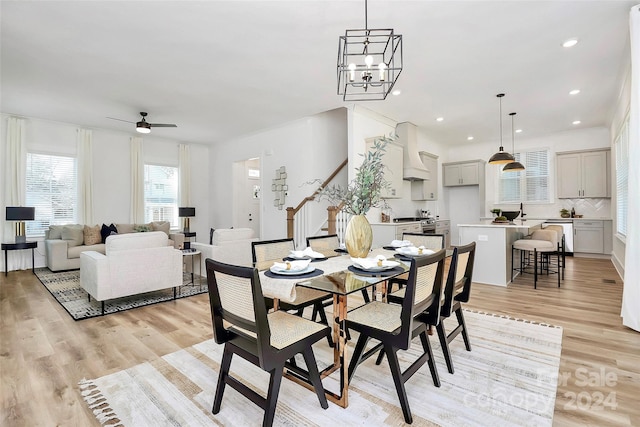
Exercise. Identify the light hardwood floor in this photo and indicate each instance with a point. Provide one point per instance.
(44, 353)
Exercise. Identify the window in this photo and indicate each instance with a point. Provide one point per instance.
(51, 187)
(529, 185)
(622, 177)
(161, 194)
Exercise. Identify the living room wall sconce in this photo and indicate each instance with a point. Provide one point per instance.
(369, 62)
(186, 213)
(20, 214)
(501, 157)
(279, 187)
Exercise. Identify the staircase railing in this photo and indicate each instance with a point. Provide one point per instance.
(296, 231)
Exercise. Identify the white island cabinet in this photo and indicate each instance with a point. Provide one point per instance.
(492, 264)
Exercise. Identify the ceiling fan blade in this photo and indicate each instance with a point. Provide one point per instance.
(162, 125)
(113, 118)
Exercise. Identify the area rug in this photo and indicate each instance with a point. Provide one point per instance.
(508, 379)
(65, 288)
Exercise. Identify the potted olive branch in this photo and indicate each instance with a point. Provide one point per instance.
(360, 195)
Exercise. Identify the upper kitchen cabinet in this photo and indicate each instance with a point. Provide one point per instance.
(427, 189)
(583, 174)
(392, 159)
(462, 173)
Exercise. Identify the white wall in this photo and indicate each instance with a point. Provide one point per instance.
(112, 177)
(309, 148)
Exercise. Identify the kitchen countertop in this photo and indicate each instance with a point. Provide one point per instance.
(516, 224)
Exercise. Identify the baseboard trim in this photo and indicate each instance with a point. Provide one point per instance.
(618, 265)
(586, 255)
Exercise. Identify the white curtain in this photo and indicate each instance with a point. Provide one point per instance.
(184, 167)
(631, 293)
(15, 170)
(137, 181)
(85, 176)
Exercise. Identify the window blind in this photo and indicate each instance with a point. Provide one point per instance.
(622, 178)
(51, 187)
(161, 194)
(530, 185)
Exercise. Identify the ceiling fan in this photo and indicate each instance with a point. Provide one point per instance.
(145, 127)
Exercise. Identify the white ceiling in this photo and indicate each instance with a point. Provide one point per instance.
(221, 69)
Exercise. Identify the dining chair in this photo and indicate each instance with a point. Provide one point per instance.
(264, 254)
(435, 242)
(456, 291)
(394, 326)
(241, 323)
(326, 245)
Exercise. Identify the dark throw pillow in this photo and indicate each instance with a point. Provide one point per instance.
(107, 230)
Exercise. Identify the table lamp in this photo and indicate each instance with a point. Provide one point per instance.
(20, 214)
(186, 213)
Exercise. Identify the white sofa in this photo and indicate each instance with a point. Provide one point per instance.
(230, 245)
(60, 255)
(133, 263)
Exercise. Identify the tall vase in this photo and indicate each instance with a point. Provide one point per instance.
(358, 236)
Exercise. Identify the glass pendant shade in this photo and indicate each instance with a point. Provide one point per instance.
(501, 157)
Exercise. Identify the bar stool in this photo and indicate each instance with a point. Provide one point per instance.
(561, 244)
(543, 242)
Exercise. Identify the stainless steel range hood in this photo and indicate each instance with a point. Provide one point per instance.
(413, 169)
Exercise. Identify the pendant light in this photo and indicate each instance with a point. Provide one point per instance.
(514, 166)
(501, 157)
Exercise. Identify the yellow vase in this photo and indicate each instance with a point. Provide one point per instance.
(358, 236)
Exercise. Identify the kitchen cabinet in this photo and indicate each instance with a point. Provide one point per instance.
(383, 234)
(588, 236)
(583, 174)
(428, 189)
(444, 227)
(393, 161)
(462, 173)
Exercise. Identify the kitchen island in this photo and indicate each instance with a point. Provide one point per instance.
(492, 264)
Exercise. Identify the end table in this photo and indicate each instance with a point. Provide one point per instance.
(16, 247)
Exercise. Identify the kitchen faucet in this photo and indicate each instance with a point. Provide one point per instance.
(522, 214)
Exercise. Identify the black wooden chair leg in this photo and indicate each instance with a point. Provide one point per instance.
(224, 372)
(272, 396)
(323, 319)
(396, 373)
(426, 346)
(357, 354)
(314, 377)
(462, 323)
(444, 343)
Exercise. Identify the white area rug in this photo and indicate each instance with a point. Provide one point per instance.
(508, 379)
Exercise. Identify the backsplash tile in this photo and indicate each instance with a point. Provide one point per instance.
(589, 208)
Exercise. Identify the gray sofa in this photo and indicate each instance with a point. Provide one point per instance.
(63, 245)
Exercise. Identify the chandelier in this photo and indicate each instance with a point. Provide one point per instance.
(514, 166)
(369, 62)
(501, 157)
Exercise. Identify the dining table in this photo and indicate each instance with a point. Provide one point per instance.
(340, 278)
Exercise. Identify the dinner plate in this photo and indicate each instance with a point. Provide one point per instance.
(309, 269)
(292, 258)
(408, 253)
(388, 266)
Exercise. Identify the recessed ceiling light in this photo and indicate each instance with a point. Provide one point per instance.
(469, 138)
(439, 119)
(576, 122)
(396, 92)
(518, 130)
(570, 43)
(574, 92)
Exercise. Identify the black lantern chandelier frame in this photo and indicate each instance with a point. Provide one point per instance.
(369, 63)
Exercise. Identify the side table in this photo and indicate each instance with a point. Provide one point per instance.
(187, 238)
(20, 246)
(192, 253)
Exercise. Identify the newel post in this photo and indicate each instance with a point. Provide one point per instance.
(290, 215)
(332, 213)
